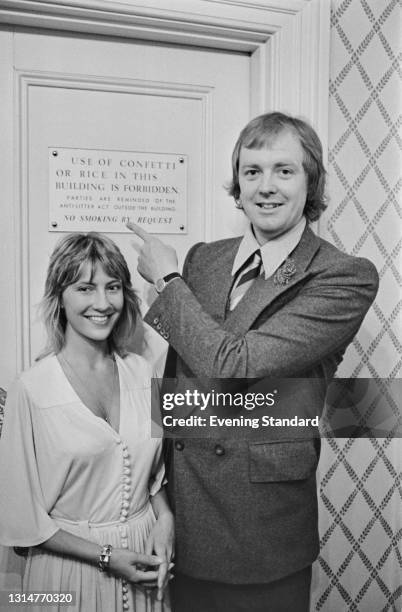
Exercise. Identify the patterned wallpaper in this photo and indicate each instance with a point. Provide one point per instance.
(360, 566)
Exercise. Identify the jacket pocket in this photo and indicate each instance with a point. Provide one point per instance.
(282, 460)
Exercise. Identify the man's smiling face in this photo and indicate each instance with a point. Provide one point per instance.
(273, 185)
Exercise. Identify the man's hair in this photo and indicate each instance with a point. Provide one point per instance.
(261, 131)
(67, 261)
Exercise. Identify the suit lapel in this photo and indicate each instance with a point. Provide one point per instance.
(262, 292)
(217, 283)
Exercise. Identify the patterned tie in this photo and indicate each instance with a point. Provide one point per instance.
(246, 276)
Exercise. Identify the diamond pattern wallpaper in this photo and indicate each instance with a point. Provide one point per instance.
(360, 565)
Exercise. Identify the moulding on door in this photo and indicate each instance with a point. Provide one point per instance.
(288, 40)
(28, 79)
(219, 24)
(9, 356)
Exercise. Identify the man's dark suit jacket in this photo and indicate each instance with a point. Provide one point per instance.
(249, 514)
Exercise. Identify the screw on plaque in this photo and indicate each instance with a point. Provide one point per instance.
(55, 153)
(54, 223)
(181, 227)
(181, 160)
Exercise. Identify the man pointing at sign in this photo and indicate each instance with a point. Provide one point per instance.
(278, 302)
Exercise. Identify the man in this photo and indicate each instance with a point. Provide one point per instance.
(246, 513)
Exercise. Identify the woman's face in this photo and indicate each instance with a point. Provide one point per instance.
(93, 305)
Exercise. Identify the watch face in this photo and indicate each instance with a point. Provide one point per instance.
(159, 285)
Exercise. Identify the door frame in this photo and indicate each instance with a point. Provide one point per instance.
(288, 43)
(288, 40)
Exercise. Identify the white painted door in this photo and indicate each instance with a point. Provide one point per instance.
(123, 95)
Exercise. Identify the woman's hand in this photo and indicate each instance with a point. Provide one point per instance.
(131, 566)
(161, 542)
(135, 567)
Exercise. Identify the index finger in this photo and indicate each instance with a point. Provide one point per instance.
(136, 229)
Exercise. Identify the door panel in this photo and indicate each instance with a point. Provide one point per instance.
(96, 93)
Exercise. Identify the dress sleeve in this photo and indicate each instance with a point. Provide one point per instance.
(24, 520)
(157, 479)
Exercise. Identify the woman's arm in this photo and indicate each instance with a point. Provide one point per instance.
(160, 504)
(122, 562)
(161, 539)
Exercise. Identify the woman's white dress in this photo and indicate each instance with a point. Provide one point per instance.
(63, 467)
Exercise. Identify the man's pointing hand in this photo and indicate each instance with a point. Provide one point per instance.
(155, 259)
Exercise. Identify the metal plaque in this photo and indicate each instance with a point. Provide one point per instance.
(96, 190)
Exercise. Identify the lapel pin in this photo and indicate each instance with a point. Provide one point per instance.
(285, 272)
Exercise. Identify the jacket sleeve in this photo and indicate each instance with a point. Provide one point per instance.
(318, 323)
(23, 517)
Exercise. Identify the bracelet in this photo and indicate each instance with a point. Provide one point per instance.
(104, 557)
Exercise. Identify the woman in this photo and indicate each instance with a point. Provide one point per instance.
(80, 476)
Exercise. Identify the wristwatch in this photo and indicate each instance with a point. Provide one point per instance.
(161, 283)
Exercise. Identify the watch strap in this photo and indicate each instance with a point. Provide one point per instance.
(161, 283)
(171, 276)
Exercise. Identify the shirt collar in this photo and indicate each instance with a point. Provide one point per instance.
(273, 253)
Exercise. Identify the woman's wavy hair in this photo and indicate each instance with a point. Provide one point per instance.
(67, 261)
(261, 131)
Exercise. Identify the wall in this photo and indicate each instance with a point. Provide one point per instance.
(360, 567)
